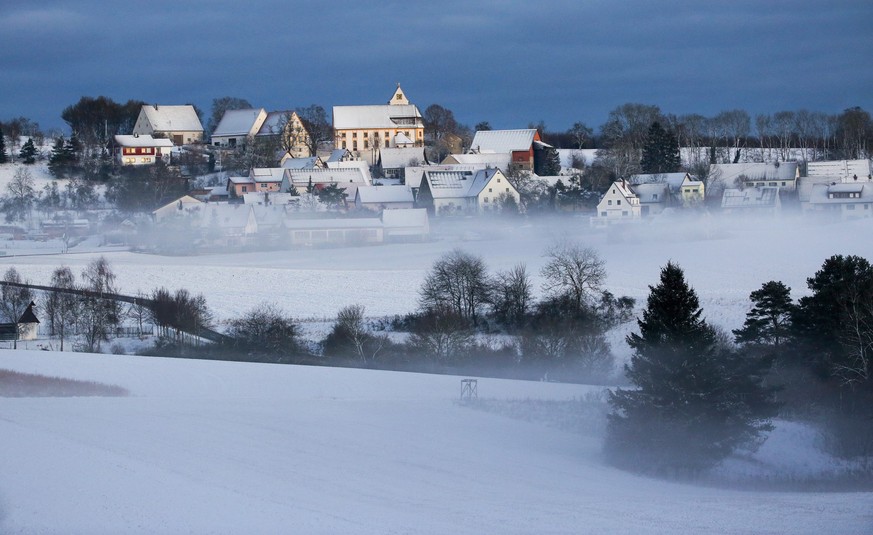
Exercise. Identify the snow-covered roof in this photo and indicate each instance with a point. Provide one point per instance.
(360, 165)
(651, 192)
(172, 118)
(762, 197)
(396, 158)
(674, 180)
(376, 117)
(861, 193)
(728, 173)
(240, 180)
(142, 140)
(337, 223)
(402, 139)
(240, 122)
(503, 140)
(271, 198)
(267, 174)
(385, 194)
(481, 180)
(276, 120)
(341, 177)
(845, 169)
(490, 159)
(454, 184)
(338, 155)
(301, 163)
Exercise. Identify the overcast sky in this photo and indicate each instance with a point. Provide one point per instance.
(508, 62)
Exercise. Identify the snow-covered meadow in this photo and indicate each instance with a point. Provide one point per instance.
(221, 447)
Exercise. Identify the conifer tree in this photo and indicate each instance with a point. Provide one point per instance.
(768, 322)
(3, 157)
(695, 402)
(28, 152)
(57, 163)
(660, 151)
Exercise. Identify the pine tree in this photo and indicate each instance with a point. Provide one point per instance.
(660, 151)
(695, 402)
(549, 162)
(57, 163)
(28, 152)
(768, 322)
(3, 157)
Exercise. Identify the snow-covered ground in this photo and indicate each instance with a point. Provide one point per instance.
(223, 447)
(220, 447)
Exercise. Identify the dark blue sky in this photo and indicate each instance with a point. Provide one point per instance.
(507, 62)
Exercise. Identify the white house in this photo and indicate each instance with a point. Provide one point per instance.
(179, 124)
(296, 141)
(465, 192)
(237, 126)
(774, 175)
(182, 206)
(142, 149)
(619, 205)
(841, 170)
(363, 130)
(394, 160)
(842, 201)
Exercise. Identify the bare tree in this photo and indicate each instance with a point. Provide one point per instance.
(350, 337)
(456, 282)
(20, 195)
(14, 298)
(574, 271)
(62, 308)
(442, 336)
(99, 315)
(318, 128)
(512, 294)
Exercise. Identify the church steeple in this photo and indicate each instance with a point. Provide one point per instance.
(399, 97)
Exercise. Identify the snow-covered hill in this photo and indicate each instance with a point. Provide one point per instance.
(223, 447)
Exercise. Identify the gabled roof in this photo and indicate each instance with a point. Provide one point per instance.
(820, 193)
(302, 163)
(455, 184)
(375, 117)
(240, 122)
(172, 118)
(384, 194)
(338, 155)
(276, 120)
(267, 174)
(503, 140)
(763, 197)
(142, 140)
(481, 180)
(845, 169)
(28, 316)
(341, 177)
(396, 158)
(728, 173)
(651, 192)
(492, 159)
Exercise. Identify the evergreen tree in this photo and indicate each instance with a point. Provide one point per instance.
(660, 151)
(28, 152)
(548, 163)
(57, 163)
(695, 402)
(3, 157)
(768, 322)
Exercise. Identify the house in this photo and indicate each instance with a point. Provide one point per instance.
(523, 146)
(179, 124)
(775, 175)
(26, 328)
(142, 149)
(751, 200)
(618, 205)
(339, 155)
(296, 140)
(464, 192)
(405, 225)
(683, 188)
(310, 162)
(842, 201)
(300, 179)
(841, 170)
(237, 126)
(260, 180)
(654, 198)
(378, 198)
(394, 160)
(365, 129)
(182, 206)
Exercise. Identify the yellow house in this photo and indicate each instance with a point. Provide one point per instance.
(364, 130)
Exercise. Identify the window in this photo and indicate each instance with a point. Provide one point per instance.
(344, 143)
(507, 190)
(344, 135)
(489, 190)
(609, 203)
(602, 214)
(618, 202)
(850, 207)
(498, 180)
(366, 143)
(654, 196)
(386, 143)
(354, 135)
(366, 134)
(354, 145)
(783, 183)
(387, 134)
(245, 189)
(485, 200)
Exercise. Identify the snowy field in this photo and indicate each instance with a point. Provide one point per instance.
(220, 447)
(223, 447)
